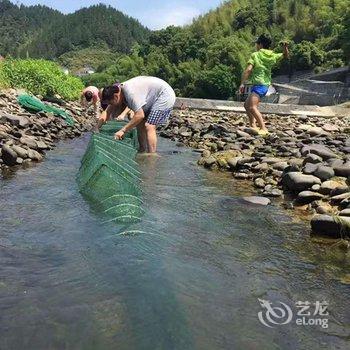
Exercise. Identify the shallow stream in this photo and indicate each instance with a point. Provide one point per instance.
(189, 276)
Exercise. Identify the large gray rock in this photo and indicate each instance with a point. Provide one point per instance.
(8, 155)
(334, 162)
(310, 168)
(306, 197)
(330, 226)
(343, 170)
(257, 200)
(320, 150)
(324, 172)
(34, 155)
(16, 120)
(297, 181)
(29, 141)
(21, 152)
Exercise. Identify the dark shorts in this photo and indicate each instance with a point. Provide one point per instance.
(158, 117)
(260, 90)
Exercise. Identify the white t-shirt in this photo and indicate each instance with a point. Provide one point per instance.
(148, 93)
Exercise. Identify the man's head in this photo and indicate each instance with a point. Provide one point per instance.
(112, 95)
(263, 42)
(88, 95)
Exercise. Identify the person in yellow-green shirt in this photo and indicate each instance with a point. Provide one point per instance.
(258, 74)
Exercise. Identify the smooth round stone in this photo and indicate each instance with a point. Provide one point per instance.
(257, 200)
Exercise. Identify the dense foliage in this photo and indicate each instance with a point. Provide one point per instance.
(40, 32)
(39, 77)
(206, 59)
(18, 24)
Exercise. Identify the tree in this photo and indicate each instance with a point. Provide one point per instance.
(216, 83)
(306, 55)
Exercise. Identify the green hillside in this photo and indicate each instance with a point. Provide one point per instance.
(39, 32)
(206, 58)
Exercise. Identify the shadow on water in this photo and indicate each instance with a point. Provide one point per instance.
(188, 276)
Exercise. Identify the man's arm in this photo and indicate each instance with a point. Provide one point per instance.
(136, 120)
(245, 76)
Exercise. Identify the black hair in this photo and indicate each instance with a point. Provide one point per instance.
(264, 40)
(88, 95)
(109, 91)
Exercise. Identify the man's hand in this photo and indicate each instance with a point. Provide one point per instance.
(119, 134)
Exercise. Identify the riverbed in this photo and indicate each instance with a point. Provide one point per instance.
(189, 276)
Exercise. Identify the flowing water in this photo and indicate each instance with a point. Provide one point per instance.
(188, 276)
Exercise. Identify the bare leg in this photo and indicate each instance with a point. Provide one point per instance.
(252, 105)
(151, 137)
(142, 137)
(252, 122)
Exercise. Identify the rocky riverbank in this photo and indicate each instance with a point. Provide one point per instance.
(304, 160)
(25, 137)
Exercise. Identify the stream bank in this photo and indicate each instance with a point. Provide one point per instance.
(26, 137)
(304, 160)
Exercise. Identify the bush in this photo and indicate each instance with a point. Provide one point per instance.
(216, 83)
(40, 77)
(307, 55)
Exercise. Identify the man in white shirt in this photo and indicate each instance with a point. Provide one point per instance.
(151, 99)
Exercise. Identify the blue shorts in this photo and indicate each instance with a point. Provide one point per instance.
(260, 90)
(158, 117)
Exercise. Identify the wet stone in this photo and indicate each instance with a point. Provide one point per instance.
(306, 197)
(257, 200)
(8, 155)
